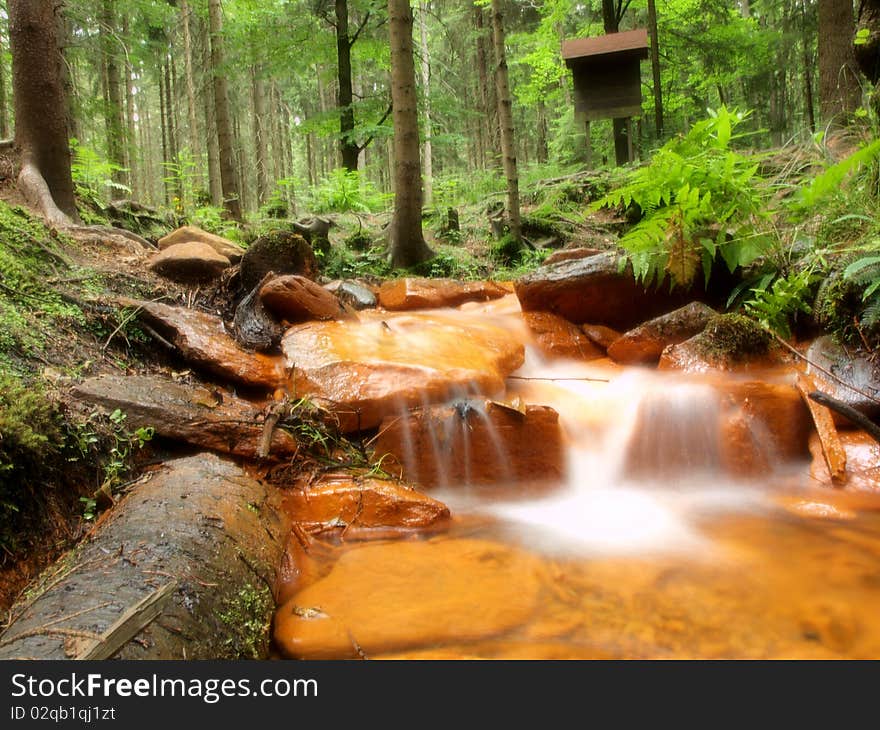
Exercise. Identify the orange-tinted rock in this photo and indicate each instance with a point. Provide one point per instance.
(297, 299)
(570, 254)
(862, 462)
(474, 442)
(364, 503)
(407, 294)
(193, 413)
(742, 452)
(202, 341)
(600, 335)
(557, 337)
(189, 262)
(187, 234)
(646, 343)
(365, 371)
(859, 372)
(829, 440)
(403, 595)
(593, 289)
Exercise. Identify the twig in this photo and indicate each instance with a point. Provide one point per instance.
(125, 321)
(858, 418)
(589, 380)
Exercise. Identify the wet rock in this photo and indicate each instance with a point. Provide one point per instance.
(408, 294)
(743, 453)
(646, 342)
(297, 299)
(364, 503)
(189, 234)
(402, 595)
(474, 442)
(364, 371)
(594, 290)
(203, 416)
(253, 327)
(570, 254)
(189, 262)
(600, 335)
(557, 337)
(854, 368)
(356, 295)
(280, 251)
(862, 462)
(201, 340)
(729, 342)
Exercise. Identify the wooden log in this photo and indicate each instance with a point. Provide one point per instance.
(856, 417)
(832, 448)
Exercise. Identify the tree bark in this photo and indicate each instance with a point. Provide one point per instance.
(407, 243)
(41, 109)
(505, 121)
(4, 107)
(215, 186)
(611, 23)
(221, 113)
(113, 110)
(348, 148)
(427, 155)
(839, 90)
(261, 151)
(194, 140)
(655, 69)
(130, 132)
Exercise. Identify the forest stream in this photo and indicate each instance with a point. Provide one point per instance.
(671, 526)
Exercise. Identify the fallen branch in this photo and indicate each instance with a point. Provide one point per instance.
(857, 417)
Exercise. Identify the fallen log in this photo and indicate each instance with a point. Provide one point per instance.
(832, 448)
(856, 417)
(199, 524)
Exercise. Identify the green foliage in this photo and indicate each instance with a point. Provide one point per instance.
(776, 305)
(213, 219)
(339, 262)
(733, 337)
(93, 173)
(180, 177)
(247, 617)
(830, 183)
(345, 191)
(699, 201)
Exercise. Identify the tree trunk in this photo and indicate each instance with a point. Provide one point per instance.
(194, 140)
(611, 23)
(867, 53)
(40, 109)
(348, 148)
(426, 90)
(130, 132)
(63, 28)
(505, 121)
(839, 90)
(407, 242)
(655, 69)
(4, 110)
(215, 186)
(221, 113)
(258, 88)
(543, 152)
(163, 125)
(113, 110)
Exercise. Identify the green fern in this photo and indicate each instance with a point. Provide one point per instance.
(698, 200)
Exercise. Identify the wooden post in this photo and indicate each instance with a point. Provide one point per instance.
(589, 144)
(629, 140)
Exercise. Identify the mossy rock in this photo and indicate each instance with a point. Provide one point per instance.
(839, 306)
(733, 337)
(280, 251)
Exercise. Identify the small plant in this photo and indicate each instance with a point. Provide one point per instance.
(93, 174)
(776, 305)
(698, 200)
(346, 190)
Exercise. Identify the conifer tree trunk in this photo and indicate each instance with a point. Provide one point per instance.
(839, 90)
(4, 111)
(113, 110)
(221, 114)
(261, 152)
(194, 138)
(426, 90)
(348, 148)
(215, 186)
(407, 243)
(41, 109)
(505, 120)
(655, 69)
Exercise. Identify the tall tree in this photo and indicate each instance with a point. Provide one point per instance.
(221, 113)
(113, 109)
(839, 89)
(40, 109)
(426, 90)
(195, 142)
(655, 68)
(505, 122)
(406, 240)
(612, 13)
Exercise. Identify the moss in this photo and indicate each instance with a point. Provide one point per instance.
(506, 250)
(733, 336)
(839, 306)
(360, 241)
(247, 617)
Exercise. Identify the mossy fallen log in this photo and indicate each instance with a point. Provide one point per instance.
(199, 523)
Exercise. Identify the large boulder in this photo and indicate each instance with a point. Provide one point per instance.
(281, 252)
(856, 369)
(557, 337)
(364, 371)
(474, 441)
(595, 290)
(297, 299)
(399, 595)
(202, 340)
(190, 234)
(192, 413)
(407, 294)
(189, 262)
(729, 342)
(363, 503)
(646, 343)
(862, 462)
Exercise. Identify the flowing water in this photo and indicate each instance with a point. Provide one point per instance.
(656, 542)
